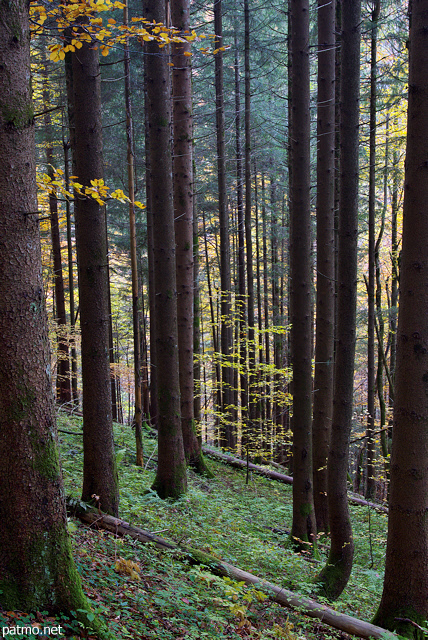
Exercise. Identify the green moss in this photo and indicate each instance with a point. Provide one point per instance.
(402, 621)
(46, 459)
(199, 465)
(174, 486)
(332, 579)
(19, 115)
(51, 581)
(306, 509)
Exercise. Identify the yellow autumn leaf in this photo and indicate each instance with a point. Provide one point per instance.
(127, 568)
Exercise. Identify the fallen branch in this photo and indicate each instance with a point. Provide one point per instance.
(365, 503)
(281, 596)
(274, 475)
(242, 464)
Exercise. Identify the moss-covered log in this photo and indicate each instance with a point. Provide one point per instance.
(277, 594)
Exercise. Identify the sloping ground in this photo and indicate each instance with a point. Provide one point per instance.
(164, 597)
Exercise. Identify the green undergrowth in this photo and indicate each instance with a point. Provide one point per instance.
(142, 592)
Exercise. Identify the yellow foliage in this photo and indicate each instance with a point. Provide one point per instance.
(127, 568)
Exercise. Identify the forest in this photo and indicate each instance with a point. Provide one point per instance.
(213, 343)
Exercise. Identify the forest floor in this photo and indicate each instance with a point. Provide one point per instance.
(163, 597)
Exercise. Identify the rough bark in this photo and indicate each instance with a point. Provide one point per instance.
(304, 525)
(335, 574)
(36, 566)
(183, 212)
(138, 414)
(99, 466)
(251, 411)
(371, 386)
(404, 601)
(325, 289)
(171, 479)
(69, 145)
(226, 342)
(241, 299)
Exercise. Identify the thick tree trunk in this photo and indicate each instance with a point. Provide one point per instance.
(36, 566)
(304, 525)
(325, 290)
(171, 479)
(404, 601)
(99, 466)
(183, 212)
(335, 574)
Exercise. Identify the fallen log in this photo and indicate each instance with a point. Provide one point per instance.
(353, 499)
(280, 595)
(241, 464)
(233, 461)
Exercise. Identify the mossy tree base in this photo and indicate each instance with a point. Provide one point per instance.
(406, 623)
(200, 466)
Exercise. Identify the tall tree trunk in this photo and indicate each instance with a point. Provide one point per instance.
(404, 603)
(266, 301)
(63, 389)
(248, 228)
(379, 315)
(171, 479)
(138, 415)
(197, 321)
(304, 526)
(228, 436)
(371, 386)
(395, 272)
(241, 301)
(150, 256)
(325, 289)
(99, 461)
(36, 566)
(335, 574)
(73, 350)
(183, 211)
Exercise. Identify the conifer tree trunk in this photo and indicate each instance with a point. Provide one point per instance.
(266, 300)
(395, 272)
(37, 571)
(248, 226)
(171, 479)
(99, 466)
(371, 390)
(325, 290)
(304, 526)
(335, 574)
(241, 302)
(226, 339)
(73, 351)
(63, 389)
(138, 415)
(69, 145)
(404, 603)
(183, 212)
